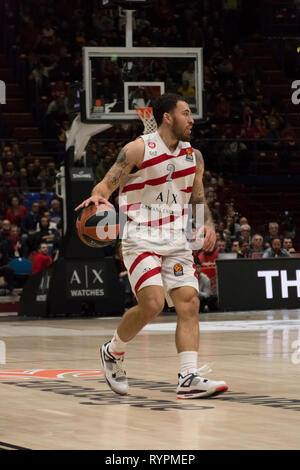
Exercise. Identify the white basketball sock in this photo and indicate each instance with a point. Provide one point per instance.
(188, 362)
(117, 346)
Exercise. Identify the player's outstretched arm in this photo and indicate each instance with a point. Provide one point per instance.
(197, 198)
(130, 156)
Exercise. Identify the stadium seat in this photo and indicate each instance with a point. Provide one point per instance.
(21, 266)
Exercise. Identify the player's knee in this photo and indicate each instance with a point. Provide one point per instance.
(190, 307)
(152, 307)
(188, 302)
(194, 304)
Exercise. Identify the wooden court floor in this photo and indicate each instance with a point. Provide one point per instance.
(53, 394)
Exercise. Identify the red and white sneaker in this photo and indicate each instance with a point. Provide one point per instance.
(113, 369)
(194, 386)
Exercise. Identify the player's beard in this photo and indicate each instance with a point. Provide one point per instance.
(179, 133)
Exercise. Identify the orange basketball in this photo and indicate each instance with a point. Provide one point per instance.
(97, 227)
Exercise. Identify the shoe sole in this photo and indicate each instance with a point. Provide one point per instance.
(210, 393)
(104, 372)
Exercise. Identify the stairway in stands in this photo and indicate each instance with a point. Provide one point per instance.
(15, 111)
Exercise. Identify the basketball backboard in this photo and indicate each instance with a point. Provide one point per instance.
(116, 80)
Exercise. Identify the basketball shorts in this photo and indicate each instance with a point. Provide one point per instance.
(158, 265)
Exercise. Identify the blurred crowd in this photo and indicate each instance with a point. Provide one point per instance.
(30, 213)
(47, 41)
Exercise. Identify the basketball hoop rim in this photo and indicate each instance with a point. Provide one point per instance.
(144, 113)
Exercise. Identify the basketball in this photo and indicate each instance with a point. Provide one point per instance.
(97, 227)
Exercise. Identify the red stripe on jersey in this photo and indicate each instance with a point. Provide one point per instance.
(146, 276)
(130, 207)
(163, 158)
(187, 190)
(158, 222)
(161, 180)
(140, 258)
(164, 220)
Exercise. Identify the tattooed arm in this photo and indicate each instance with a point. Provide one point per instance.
(198, 199)
(130, 156)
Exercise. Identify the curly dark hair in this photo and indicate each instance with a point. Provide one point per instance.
(165, 104)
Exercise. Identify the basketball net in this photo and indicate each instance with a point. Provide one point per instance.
(146, 116)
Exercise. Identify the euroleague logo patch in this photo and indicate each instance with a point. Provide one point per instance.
(178, 270)
(189, 155)
(48, 373)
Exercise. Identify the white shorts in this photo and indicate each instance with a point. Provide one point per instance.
(153, 264)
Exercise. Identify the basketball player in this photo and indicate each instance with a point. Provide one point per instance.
(159, 169)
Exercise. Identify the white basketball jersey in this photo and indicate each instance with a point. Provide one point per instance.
(157, 195)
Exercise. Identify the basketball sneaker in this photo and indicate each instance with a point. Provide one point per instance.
(194, 386)
(114, 372)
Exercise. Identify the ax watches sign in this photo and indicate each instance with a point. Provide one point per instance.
(86, 280)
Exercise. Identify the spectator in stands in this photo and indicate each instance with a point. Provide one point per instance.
(257, 131)
(40, 76)
(10, 166)
(33, 182)
(9, 155)
(245, 250)
(231, 227)
(221, 244)
(37, 167)
(257, 243)
(208, 258)
(189, 75)
(51, 176)
(243, 221)
(187, 91)
(288, 225)
(47, 235)
(241, 92)
(59, 105)
(16, 211)
(55, 211)
(15, 245)
(5, 269)
(275, 251)
(272, 232)
(235, 247)
(8, 183)
(23, 182)
(245, 233)
(287, 244)
(30, 220)
(41, 258)
(52, 224)
(273, 136)
(44, 206)
(5, 229)
(289, 143)
(223, 109)
(207, 299)
(247, 117)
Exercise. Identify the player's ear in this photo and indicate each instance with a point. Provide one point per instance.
(168, 118)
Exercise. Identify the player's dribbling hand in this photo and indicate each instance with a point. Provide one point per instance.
(209, 239)
(97, 200)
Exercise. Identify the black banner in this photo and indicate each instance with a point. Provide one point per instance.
(79, 184)
(74, 287)
(262, 284)
(33, 301)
